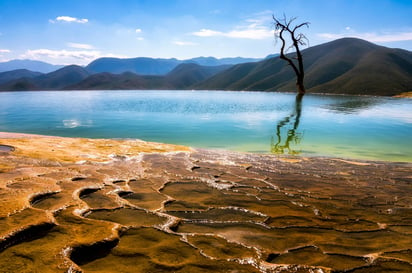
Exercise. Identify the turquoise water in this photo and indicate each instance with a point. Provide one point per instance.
(343, 126)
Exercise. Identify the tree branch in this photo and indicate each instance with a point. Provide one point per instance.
(281, 26)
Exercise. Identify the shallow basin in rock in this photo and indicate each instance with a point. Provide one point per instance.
(6, 148)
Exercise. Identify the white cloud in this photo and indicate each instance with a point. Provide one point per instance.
(2, 51)
(251, 32)
(80, 46)
(139, 31)
(110, 55)
(370, 36)
(256, 33)
(66, 56)
(182, 43)
(207, 33)
(61, 54)
(255, 29)
(69, 19)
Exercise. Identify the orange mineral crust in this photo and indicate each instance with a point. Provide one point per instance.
(99, 205)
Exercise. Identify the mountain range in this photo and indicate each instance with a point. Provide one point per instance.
(32, 65)
(348, 66)
(183, 76)
(141, 65)
(150, 66)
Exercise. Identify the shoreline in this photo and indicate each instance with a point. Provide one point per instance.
(16, 135)
(403, 95)
(22, 135)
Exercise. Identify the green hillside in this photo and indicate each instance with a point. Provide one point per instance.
(349, 66)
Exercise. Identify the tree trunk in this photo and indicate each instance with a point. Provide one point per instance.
(300, 87)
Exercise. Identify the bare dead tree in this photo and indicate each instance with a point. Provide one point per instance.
(283, 27)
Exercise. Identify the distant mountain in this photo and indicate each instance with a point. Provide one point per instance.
(31, 65)
(142, 66)
(183, 76)
(348, 66)
(271, 56)
(150, 66)
(56, 80)
(212, 61)
(16, 74)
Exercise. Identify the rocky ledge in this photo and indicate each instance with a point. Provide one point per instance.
(90, 205)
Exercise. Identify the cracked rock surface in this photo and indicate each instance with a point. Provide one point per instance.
(83, 205)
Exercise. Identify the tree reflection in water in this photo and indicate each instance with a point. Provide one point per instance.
(286, 129)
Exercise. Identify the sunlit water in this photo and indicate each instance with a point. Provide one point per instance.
(341, 126)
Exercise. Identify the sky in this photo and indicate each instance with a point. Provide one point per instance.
(79, 31)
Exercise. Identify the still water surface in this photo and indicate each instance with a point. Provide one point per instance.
(341, 126)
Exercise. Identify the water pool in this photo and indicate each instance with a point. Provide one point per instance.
(361, 127)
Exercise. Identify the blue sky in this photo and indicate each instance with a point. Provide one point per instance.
(79, 31)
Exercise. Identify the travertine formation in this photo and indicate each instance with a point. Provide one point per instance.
(82, 205)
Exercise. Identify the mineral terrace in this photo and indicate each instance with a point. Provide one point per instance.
(95, 205)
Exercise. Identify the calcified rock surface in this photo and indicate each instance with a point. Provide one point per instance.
(79, 205)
